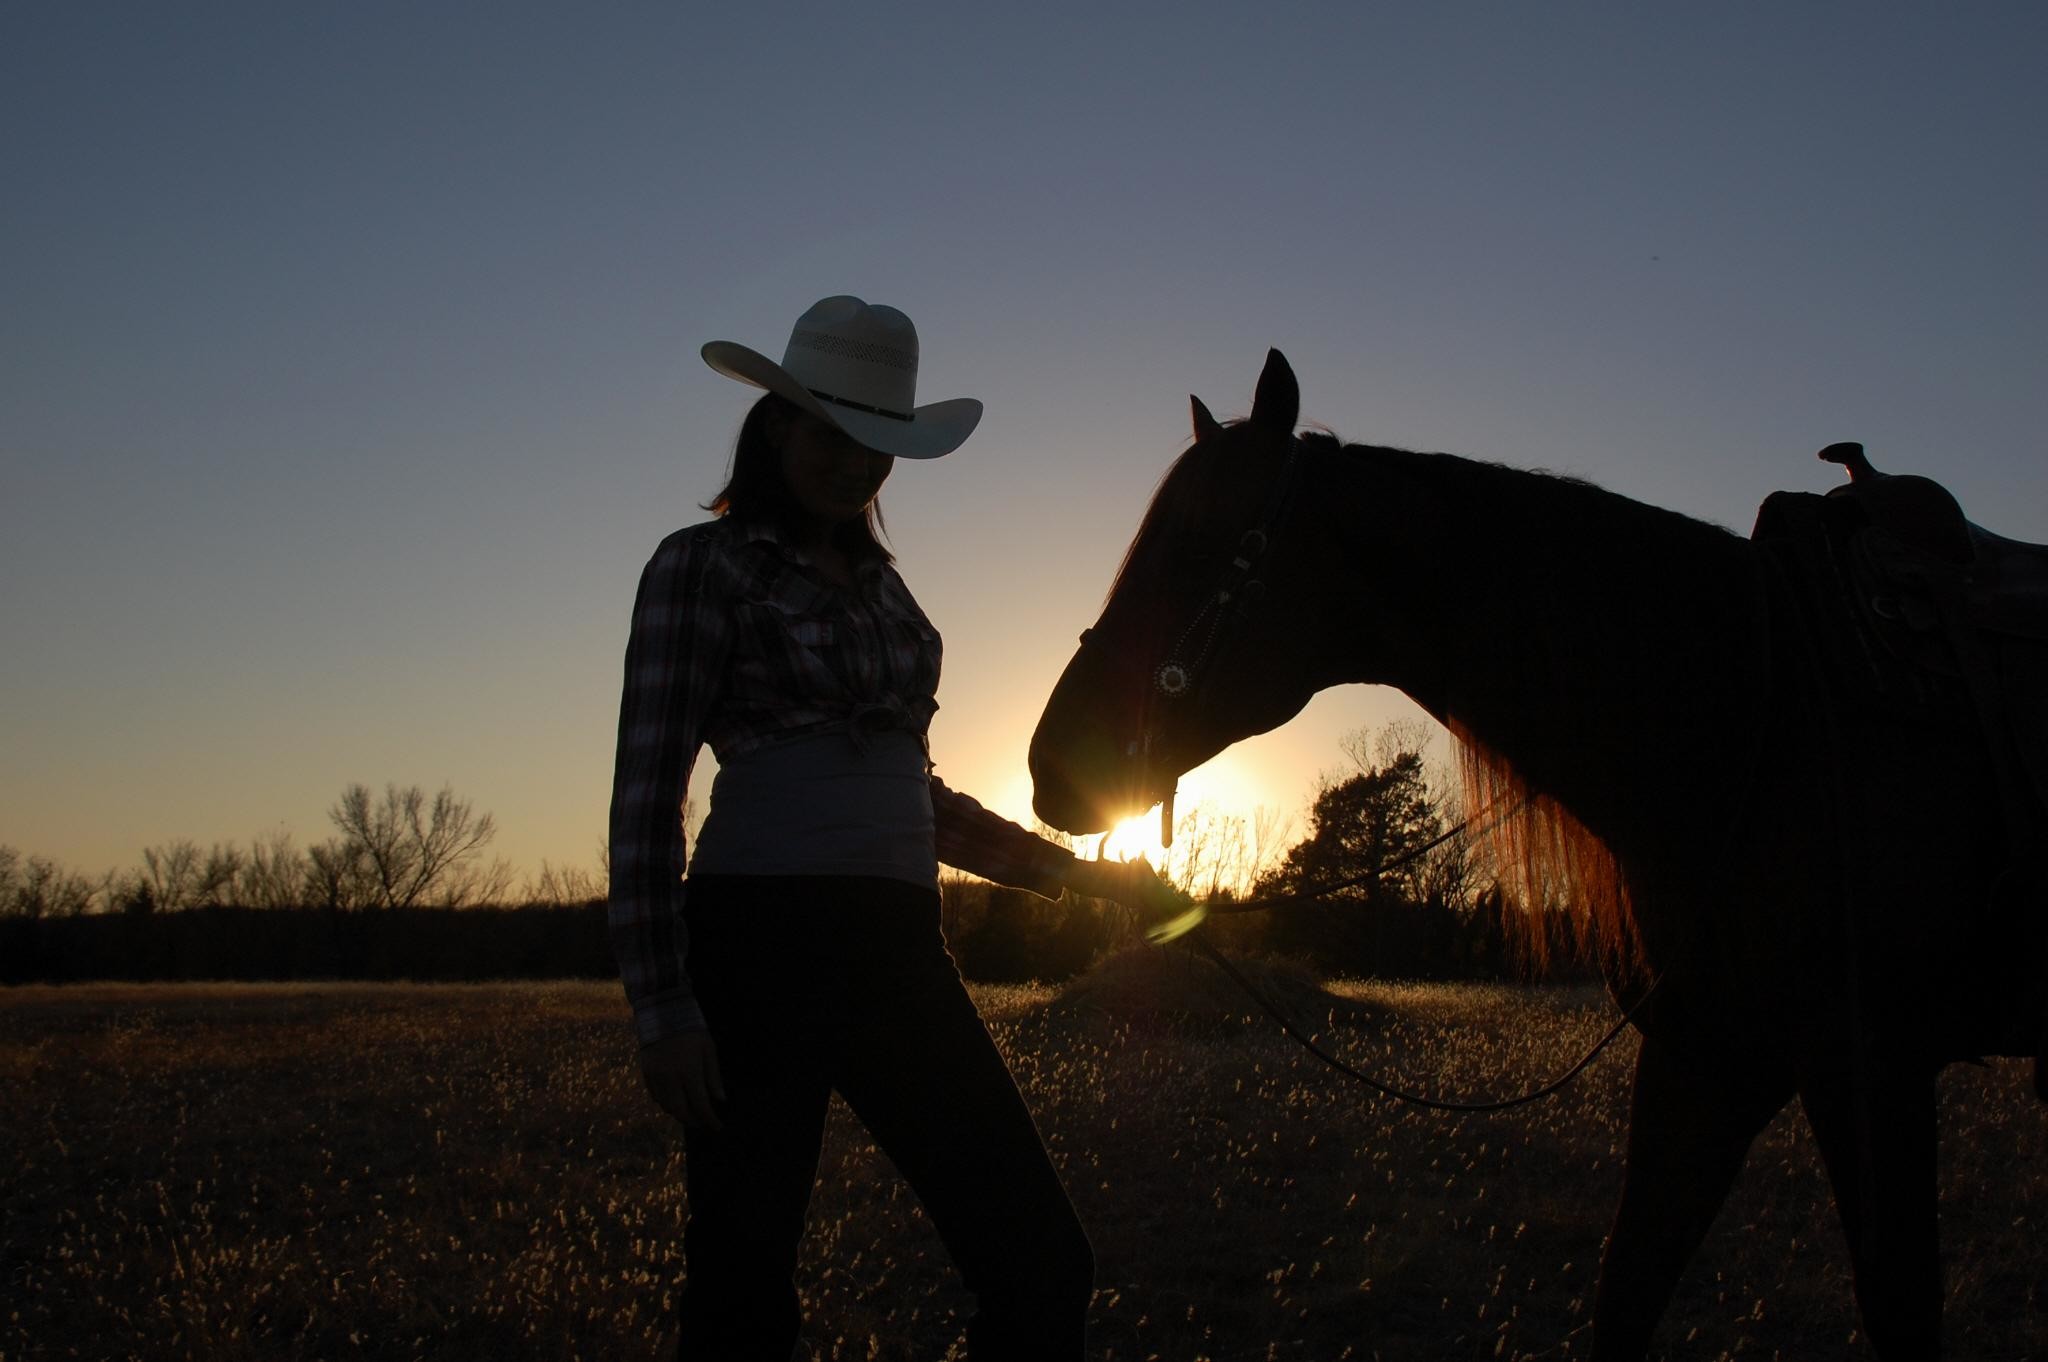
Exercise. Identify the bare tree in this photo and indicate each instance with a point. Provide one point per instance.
(1450, 874)
(1201, 847)
(274, 873)
(473, 885)
(338, 876)
(413, 852)
(125, 891)
(1272, 831)
(71, 894)
(1217, 854)
(220, 875)
(1396, 738)
(37, 886)
(563, 884)
(174, 871)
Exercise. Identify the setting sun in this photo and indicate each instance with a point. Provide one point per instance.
(1224, 787)
(1136, 836)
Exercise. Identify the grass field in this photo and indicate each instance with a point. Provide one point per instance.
(395, 1171)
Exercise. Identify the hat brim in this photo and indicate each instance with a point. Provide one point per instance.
(933, 430)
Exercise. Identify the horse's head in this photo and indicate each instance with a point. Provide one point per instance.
(1202, 640)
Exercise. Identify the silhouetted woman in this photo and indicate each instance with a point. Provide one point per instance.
(803, 954)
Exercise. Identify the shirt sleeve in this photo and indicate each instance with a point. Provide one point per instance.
(985, 843)
(675, 668)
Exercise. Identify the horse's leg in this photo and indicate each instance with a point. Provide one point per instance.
(1688, 1134)
(1878, 1140)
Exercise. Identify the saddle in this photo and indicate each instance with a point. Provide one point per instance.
(1940, 603)
(1933, 593)
(2004, 581)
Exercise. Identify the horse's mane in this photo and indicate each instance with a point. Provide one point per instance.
(1546, 863)
(1171, 509)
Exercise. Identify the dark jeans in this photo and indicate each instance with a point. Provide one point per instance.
(814, 984)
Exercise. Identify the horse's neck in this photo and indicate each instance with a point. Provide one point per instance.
(1606, 649)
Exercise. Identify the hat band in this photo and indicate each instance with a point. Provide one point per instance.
(823, 396)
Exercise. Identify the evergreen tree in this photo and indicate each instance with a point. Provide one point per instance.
(1380, 921)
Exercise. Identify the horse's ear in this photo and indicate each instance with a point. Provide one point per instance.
(1278, 402)
(1205, 424)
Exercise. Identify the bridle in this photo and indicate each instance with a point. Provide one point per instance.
(1183, 668)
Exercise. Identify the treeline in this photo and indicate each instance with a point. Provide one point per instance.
(998, 934)
(1388, 888)
(402, 849)
(400, 891)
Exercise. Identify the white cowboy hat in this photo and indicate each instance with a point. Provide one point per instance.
(855, 365)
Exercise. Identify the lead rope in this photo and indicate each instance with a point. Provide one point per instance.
(1309, 1043)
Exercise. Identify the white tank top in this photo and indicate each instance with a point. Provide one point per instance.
(837, 803)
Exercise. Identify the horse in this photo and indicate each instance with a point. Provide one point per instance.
(1808, 850)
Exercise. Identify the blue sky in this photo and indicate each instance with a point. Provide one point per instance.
(348, 352)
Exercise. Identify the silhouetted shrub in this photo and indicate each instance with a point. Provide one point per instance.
(1008, 936)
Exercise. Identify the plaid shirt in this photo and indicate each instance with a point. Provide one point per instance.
(737, 641)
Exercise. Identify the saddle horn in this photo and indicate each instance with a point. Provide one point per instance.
(1849, 454)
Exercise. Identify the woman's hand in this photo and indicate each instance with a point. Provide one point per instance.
(682, 1077)
(1135, 884)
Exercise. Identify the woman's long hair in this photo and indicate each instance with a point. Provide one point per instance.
(755, 492)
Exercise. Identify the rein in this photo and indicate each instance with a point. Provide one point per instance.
(1311, 1043)
(1308, 1043)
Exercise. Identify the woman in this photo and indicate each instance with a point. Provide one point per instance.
(803, 954)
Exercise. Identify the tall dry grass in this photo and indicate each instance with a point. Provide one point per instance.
(469, 1171)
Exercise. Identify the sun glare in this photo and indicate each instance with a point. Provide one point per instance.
(1136, 836)
(1221, 788)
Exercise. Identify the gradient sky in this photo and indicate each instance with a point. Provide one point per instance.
(348, 364)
